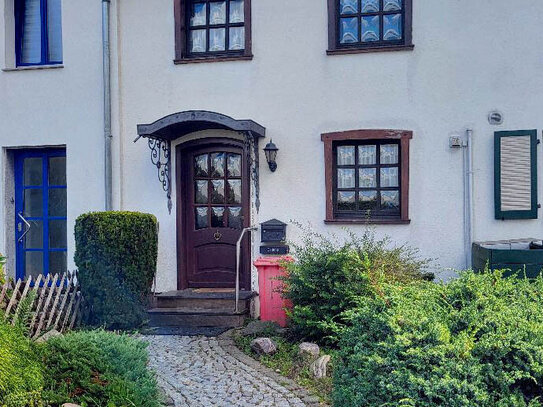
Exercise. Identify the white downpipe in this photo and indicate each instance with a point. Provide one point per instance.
(108, 172)
(468, 197)
(238, 257)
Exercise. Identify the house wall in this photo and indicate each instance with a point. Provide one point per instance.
(469, 58)
(55, 107)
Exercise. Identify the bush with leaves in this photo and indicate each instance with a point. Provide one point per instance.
(116, 253)
(476, 341)
(21, 378)
(98, 368)
(330, 278)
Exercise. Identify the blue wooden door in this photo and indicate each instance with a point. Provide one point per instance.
(40, 212)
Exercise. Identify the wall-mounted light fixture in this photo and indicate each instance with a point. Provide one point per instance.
(271, 154)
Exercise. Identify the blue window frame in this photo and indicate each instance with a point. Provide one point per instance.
(40, 212)
(38, 32)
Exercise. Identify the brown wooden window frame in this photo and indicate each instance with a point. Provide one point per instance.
(182, 54)
(359, 137)
(335, 48)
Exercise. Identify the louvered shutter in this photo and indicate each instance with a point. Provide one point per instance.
(516, 174)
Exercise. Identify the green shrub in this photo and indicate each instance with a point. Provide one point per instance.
(476, 341)
(21, 377)
(98, 368)
(330, 278)
(116, 254)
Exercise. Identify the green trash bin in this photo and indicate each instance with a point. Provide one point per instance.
(511, 255)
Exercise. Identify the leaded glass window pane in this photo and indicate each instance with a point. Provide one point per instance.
(217, 217)
(346, 201)
(348, 6)
(237, 12)
(345, 155)
(346, 178)
(370, 28)
(217, 13)
(389, 154)
(348, 30)
(392, 5)
(392, 27)
(370, 6)
(367, 155)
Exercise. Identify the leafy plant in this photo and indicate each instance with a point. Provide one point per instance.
(116, 253)
(98, 368)
(21, 378)
(330, 278)
(476, 341)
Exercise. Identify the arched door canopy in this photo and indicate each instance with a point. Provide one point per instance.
(162, 132)
(180, 124)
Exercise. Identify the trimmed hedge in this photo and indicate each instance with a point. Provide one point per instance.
(476, 341)
(116, 254)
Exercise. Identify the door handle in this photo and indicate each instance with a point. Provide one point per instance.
(28, 226)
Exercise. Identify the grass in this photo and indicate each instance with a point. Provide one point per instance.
(289, 363)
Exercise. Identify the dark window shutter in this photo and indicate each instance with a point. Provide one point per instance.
(516, 174)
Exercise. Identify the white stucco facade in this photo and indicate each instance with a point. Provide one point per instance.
(470, 58)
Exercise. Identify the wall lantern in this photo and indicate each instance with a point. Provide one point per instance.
(271, 153)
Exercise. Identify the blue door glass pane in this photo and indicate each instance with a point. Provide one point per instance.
(33, 171)
(33, 264)
(31, 32)
(57, 202)
(33, 203)
(57, 262)
(57, 171)
(54, 30)
(57, 234)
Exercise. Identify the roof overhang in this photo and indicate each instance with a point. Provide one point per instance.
(180, 124)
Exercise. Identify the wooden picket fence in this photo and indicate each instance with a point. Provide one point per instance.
(55, 302)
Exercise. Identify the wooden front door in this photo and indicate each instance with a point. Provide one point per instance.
(213, 208)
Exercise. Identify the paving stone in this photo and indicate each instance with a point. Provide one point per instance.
(195, 371)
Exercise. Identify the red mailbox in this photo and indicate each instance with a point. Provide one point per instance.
(272, 304)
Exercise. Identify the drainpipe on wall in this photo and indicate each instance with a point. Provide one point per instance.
(468, 197)
(107, 106)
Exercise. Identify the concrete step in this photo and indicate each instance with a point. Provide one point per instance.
(194, 317)
(209, 300)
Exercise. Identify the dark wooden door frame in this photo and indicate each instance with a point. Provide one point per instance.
(181, 213)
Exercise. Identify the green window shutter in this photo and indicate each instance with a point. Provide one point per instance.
(516, 174)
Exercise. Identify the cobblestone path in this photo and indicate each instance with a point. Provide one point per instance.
(197, 372)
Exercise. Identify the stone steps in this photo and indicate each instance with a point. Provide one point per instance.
(197, 308)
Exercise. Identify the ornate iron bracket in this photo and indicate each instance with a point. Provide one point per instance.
(251, 145)
(161, 157)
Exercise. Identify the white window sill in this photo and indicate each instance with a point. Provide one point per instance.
(33, 68)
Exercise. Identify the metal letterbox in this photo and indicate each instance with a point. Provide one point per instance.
(273, 231)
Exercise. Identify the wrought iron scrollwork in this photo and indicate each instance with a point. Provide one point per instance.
(251, 145)
(161, 158)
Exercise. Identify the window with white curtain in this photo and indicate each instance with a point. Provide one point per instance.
(38, 32)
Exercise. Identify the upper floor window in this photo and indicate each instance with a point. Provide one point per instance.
(367, 176)
(38, 32)
(369, 25)
(212, 29)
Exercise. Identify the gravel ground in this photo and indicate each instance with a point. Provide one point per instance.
(195, 371)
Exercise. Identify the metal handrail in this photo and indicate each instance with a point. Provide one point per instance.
(238, 255)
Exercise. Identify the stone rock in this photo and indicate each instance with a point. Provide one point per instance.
(309, 350)
(264, 346)
(70, 405)
(319, 367)
(260, 327)
(48, 335)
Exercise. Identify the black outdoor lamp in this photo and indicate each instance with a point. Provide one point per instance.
(271, 153)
